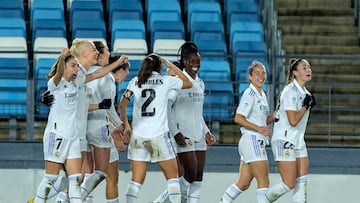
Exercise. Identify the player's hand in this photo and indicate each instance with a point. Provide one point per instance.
(307, 101)
(124, 59)
(47, 98)
(210, 139)
(127, 133)
(105, 104)
(119, 140)
(180, 139)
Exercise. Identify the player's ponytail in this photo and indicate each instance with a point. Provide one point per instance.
(149, 64)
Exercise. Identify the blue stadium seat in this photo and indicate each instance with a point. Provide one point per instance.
(187, 2)
(12, 27)
(128, 29)
(159, 10)
(86, 5)
(227, 3)
(219, 101)
(166, 30)
(88, 29)
(200, 11)
(87, 19)
(48, 28)
(125, 10)
(42, 67)
(17, 68)
(245, 31)
(215, 70)
(214, 49)
(242, 12)
(11, 9)
(201, 30)
(13, 98)
(42, 9)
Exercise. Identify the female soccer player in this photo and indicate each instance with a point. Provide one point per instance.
(288, 144)
(150, 139)
(61, 143)
(189, 128)
(252, 114)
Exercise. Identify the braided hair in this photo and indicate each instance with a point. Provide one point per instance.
(185, 51)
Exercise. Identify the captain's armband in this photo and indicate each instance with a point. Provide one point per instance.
(128, 94)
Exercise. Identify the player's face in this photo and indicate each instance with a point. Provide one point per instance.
(71, 69)
(103, 59)
(192, 64)
(303, 71)
(258, 76)
(91, 54)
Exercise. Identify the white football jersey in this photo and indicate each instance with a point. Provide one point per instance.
(150, 104)
(291, 98)
(112, 113)
(254, 107)
(188, 111)
(83, 104)
(62, 115)
(100, 89)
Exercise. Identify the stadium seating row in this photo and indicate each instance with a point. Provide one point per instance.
(129, 32)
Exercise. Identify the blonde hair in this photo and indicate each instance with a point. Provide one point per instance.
(79, 46)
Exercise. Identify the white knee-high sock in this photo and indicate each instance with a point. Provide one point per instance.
(132, 191)
(62, 197)
(194, 192)
(260, 195)
(46, 185)
(90, 183)
(276, 191)
(300, 191)
(184, 185)
(74, 188)
(116, 200)
(162, 197)
(230, 194)
(173, 188)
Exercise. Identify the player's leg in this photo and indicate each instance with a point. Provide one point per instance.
(195, 187)
(300, 190)
(170, 171)
(285, 156)
(73, 167)
(112, 178)
(46, 189)
(101, 153)
(260, 170)
(242, 184)
(138, 169)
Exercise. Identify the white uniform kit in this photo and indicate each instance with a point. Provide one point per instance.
(288, 141)
(150, 140)
(188, 116)
(83, 107)
(61, 140)
(254, 107)
(97, 126)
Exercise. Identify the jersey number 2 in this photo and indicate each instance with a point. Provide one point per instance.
(150, 98)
